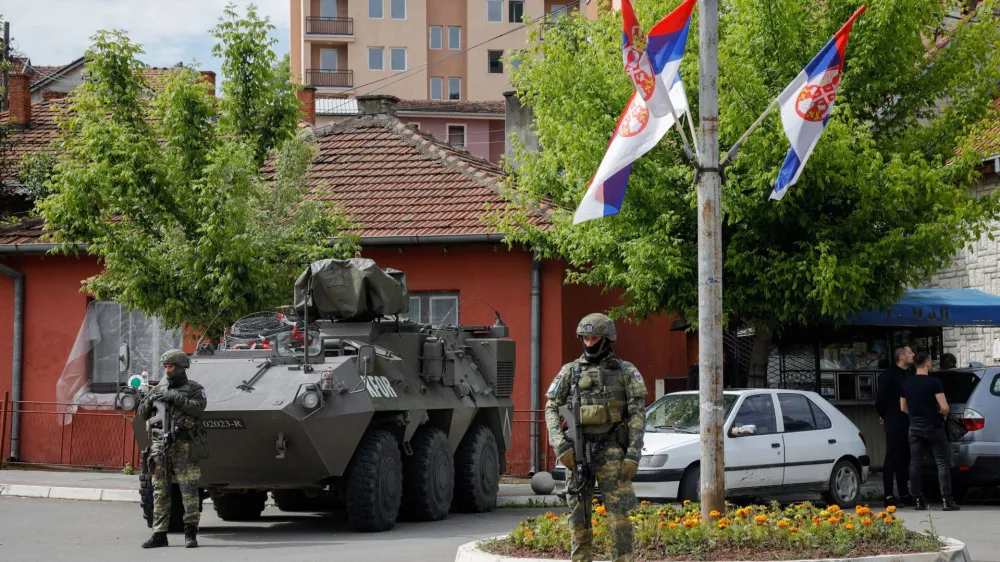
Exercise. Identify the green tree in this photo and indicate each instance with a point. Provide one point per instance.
(166, 187)
(883, 203)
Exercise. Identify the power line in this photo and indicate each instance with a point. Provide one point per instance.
(407, 73)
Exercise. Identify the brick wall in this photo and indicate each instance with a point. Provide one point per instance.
(975, 267)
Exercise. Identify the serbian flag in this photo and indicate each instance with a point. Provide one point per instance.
(637, 133)
(662, 56)
(806, 104)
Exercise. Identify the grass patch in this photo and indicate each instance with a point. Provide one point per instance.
(757, 532)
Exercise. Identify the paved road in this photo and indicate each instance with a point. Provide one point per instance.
(35, 529)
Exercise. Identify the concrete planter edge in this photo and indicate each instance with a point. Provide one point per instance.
(953, 551)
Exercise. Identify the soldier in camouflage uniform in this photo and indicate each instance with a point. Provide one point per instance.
(185, 400)
(613, 413)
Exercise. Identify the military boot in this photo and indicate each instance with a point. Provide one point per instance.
(156, 541)
(191, 536)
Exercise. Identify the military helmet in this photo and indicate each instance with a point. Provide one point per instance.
(176, 357)
(597, 325)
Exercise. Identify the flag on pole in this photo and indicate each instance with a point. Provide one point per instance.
(806, 104)
(652, 62)
(637, 133)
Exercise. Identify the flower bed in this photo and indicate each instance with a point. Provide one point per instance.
(759, 532)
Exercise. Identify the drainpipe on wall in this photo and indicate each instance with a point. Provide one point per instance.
(15, 373)
(536, 381)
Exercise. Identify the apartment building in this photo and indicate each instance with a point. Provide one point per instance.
(413, 49)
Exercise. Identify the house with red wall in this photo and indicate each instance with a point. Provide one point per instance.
(420, 203)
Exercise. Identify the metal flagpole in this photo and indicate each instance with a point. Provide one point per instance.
(710, 265)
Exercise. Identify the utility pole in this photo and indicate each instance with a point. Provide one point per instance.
(710, 264)
(5, 100)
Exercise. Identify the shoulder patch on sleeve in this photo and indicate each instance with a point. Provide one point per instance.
(552, 386)
(637, 376)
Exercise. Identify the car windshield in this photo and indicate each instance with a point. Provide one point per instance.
(289, 343)
(679, 413)
(958, 385)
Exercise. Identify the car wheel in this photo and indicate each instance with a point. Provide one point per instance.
(845, 485)
(690, 488)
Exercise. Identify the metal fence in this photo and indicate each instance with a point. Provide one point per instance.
(330, 26)
(49, 435)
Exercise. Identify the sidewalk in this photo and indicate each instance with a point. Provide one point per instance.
(117, 487)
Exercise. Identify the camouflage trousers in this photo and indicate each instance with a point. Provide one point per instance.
(619, 498)
(175, 464)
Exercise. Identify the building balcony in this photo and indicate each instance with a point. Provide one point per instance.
(329, 28)
(330, 78)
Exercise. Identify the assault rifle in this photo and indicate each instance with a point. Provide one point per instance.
(581, 449)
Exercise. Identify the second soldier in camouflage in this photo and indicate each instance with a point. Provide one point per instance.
(613, 397)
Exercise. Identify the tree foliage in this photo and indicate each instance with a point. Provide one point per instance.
(883, 203)
(165, 185)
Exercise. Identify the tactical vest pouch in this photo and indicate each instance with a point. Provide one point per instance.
(593, 414)
(199, 445)
(614, 410)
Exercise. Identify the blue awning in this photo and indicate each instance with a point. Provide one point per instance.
(936, 307)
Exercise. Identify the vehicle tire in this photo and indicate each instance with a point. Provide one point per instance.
(176, 524)
(240, 506)
(375, 483)
(294, 500)
(845, 485)
(690, 486)
(477, 472)
(428, 477)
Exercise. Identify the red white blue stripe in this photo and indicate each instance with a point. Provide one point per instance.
(665, 47)
(806, 104)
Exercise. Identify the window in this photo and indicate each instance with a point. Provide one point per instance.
(515, 11)
(375, 56)
(397, 59)
(397, 9)
(802, 414)
(494, 11)
(328, 59)
(757, 410)
(436, 309)
(146, 338)
(558, 11)
(415, 125)
(680, 413)
(455, 38)
(456, 135)
(436, 39)
(515, 63)
(454, 88)
(495, 61)
(437, 88)
(375, 9)
(328, 8)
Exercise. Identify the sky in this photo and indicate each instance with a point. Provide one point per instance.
(57, 32)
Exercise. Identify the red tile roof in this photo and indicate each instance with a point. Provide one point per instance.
(396, 181)
(27, 231)
(988, 142)
(40, 133)
(445, 106)
(22, 65)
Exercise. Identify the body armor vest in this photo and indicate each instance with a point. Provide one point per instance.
(602, 396)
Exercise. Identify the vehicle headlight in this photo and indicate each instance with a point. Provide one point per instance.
(128, 401)
(310, 399)
(652, 461)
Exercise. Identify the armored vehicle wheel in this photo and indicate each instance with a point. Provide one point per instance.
(374, 483)
(240, 506)
(176, 524)
(428, 477)
(477, 471)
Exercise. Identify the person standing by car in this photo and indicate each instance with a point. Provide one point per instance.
(895, 423)
(924, 401)
(613, 417)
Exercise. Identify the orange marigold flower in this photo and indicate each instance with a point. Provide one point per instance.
(866, 521)
(743, 512)
(834, 509)
(889, 520)
(690, 522)
(783, 524)
(661, 524)
(800, 506)
(594, 532)
(725, 520)
(863, 510)
(793, 529)
(849, 526)
(760, 519)
(601, 510)
(595, 501)
(882, 515)
(671, 525)
(529, 533)
(594, 522)
(677, 519)
(891, 509)
(644, 502)
(714, 514)
(722, 525)
(687, 502)
(549, 514)
(833, 520)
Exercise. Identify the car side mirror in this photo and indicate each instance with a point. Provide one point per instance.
(123, 358)
(741, 430)
(366, 359)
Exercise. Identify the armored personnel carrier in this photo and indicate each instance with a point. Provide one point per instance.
(339, 404)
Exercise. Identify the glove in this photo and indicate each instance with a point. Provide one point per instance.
(629, 468)
(568, 460)
(169, 396)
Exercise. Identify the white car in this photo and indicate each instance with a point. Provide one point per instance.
(776, 442)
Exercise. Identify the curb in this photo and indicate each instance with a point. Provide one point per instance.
(953, 551)
(132, 496)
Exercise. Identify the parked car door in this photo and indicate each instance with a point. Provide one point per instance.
(754, 460)
(811, 446)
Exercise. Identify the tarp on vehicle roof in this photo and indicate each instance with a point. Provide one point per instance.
(935, 307)
(355, 289)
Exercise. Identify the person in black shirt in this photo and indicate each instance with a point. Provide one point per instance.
(923, 399)
(896, 426)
